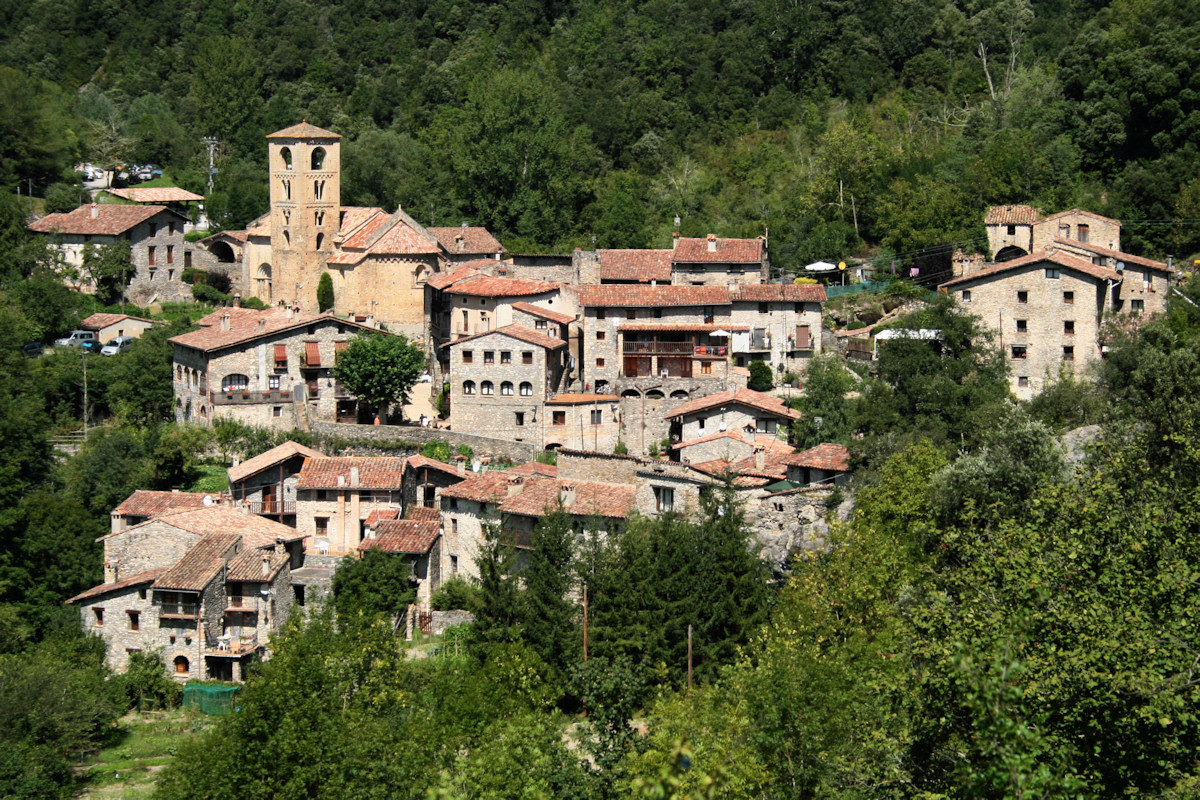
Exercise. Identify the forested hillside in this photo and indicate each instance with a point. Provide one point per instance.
(872, 128)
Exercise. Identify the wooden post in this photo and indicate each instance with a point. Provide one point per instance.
(689, 657)
(585, 623)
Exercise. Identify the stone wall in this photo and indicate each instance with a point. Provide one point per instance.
(408, 439)
(448, 619)
(154, 545)
(496, 414)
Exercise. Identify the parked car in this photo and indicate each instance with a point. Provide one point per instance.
(75, 339)
(32, 349)
(90, 347)
(120, 344)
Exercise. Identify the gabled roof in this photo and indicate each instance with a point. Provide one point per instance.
(423, 512)
(99, 219)
(827, 456)
(734, 434)
(255, 531)
(540, 493)
(1117, 254)
(200, 564)
(468, 240)
(724, 251)
(414, 536)
(443, 279)
(276, 455)
(492, 286)
(248, 565)
(384, 472)
(304, 131)
(1012, 215)
(395, 234)
(517, 332)
(244, 327)
(746, 397)
(424, 462)
(778, 293)
(1075, 211)
(104, 320)
(159, 194)
(544, 313)
(149, 503)
(378, 515)
(642, 266)
(635, 296)
(133, 580)
(1051, 256)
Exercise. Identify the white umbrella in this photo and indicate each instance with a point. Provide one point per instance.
(719, 332)
(820, 266)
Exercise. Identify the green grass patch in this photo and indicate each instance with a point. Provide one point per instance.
(140, 747)
(213, 479)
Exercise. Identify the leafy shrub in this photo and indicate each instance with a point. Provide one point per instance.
(456, 593)
(254, 303)
(620, 449)
(438, 451)
(760, 376)
(207, 294)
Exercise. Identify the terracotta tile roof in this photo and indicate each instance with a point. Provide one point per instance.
(1117, 254)
(443, 279)
(628, 296)
(255, 531)
(775, 462)
(247, 565)
(378, 515)
(383, 472)
(635, 265)
(104, 320)
(243, 327)
(728, 251)
(697, 327)
(575, 399)
(736, 435)
(491, 286)
(534, 468)
(263, 231)
(544, 313)
(424, 462)
(304, 131)
(149, 503)
(487, 487)
(779, 293)
(238, 236)
(109, 219)
(1012, 215)
(540, 496)
(1053, 256)
(827, 456)
(739, 396)
(1080, 211)
(379, 234)
(200, 564)
(354, 216)
(422, 512)
(276, 455)
(517, 332)
(133, 580)
(468, 240)
(160, 194)
(403, 536)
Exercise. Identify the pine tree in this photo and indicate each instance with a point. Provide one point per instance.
(325, 293)
(498, 617)
(548, 614)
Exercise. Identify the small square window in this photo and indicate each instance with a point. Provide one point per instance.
(597, 416)
(631, 313)
(1012, 230)
(1068, 352)
(1068, 327)
(272, 381)
(526, 357)
(1019, 351)
(1069, 298)
(1137, 306)
(468, 357)
(706, 367)
(505, 356)
(277, 411)
(599, 362)
(1023, 381)
(966, 295)
(520, 418)
(1022, 326)
(489, 357)
(600, 335)
(560, 418)
(763, 308)
(539, 324)
(1053, 272)
(1022, 297)
(599, 313)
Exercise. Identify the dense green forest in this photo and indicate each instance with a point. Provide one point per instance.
(871, 128)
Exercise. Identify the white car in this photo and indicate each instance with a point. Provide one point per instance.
(120, 344)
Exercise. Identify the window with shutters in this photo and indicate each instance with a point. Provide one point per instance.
(803, 341)
(312, 354)
(281, 356)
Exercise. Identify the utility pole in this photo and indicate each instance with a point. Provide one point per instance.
(689, 657)
(585, 623)
(211, 143)
(83, 355)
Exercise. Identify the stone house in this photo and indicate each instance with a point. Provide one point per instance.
(270, 368)
(335, 496)
(205, 587)
(634, 266)
(1045, 310)
(784, 322)
(266, 484)
(110, 326)
(158, 251)
(827, 463)
(515, 499)
(1017, 231)
(719, 262)
(582, 422)
(741, 410)
(417, 539)
(501, 380)
(466, 243)
(1145, 282)
(425, 478)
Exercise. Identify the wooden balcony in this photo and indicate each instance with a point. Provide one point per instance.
(178, 610)
(240, 397)
(270, 508)
(232, 647)
(655, 348)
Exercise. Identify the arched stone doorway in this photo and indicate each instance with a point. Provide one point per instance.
(262, 283)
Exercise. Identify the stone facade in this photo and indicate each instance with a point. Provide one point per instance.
(500, 382)
(781, 333)
(332, 519)
(409, 438)
(582, 422)
(1081, 226)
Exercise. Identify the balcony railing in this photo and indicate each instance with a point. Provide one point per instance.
(179, 610)
(658, 348)
(271, 508)
(228, 645)
(239, 396)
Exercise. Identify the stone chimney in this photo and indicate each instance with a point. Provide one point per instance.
(341, 481)
(515, 484)
(354, 476)
(266, 564)
(460, 463)
(279, 548)
(674, 239)
(237, 299)
(225, 321)
(712, 243)
(95, 211)
(760, 458)
(566, 493)
(289, 312)
(112, 570)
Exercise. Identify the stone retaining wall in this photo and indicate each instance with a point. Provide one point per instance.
(411, 437)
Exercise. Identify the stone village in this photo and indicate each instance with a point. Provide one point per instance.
(630, 365)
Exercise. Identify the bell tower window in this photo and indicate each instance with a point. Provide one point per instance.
(286, 155)
(318, 158)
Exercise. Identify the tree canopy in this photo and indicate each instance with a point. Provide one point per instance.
(379, 369)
